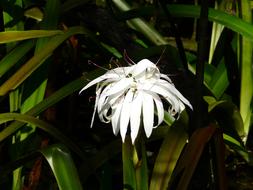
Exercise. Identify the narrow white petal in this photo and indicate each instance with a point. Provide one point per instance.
(125, 114)
(116, 116)
(159, 108)
(95, 107)
(135, 117)
(148, 113)
(167, 78)
(97, 80)
(108, 101)
(171, 98)
(121, 85)
(173, 90)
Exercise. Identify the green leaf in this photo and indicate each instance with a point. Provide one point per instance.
(14, 56)
(63, 167)
(190, 11)
(141, 25)
(34, 13)
(50, 21)
(237, 146)
(5, 117)
(25, 71)
(56, 97)
(245, 57)
(228, 117)
(13, 36)
(168, 155)
(219, 81)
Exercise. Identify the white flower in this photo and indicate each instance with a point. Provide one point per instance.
(130, 94)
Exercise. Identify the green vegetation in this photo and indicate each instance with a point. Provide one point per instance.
(51, 49)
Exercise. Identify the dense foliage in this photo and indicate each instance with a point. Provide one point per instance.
(51, 49)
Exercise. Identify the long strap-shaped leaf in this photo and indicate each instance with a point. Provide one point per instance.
(13, 36)
(56, 97)
(245, 56)
(168, 155)
(63, 167)
(14, 56)
(25, 71)
(190, 11)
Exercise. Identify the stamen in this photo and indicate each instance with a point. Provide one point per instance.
(115, 62)
(91, 62)
(128, 59)
(160, 56)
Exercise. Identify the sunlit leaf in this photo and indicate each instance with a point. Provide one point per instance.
(34, 13)
(14, 56)
(13, 36)
(191, 11)
(26, 70)
(56, 97)
(141, 25)
(219, 81)
(168, 155)
(245, 57)
(63, 167)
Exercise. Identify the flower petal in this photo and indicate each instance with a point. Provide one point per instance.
(163, 92)
(125, 114)
(166, 78)
(97, 80)
(116, 116)
(98, 91)
(135, 116)
(148, 113)
(141, 66)
(121, 85)
(173, 90)
(159, 108)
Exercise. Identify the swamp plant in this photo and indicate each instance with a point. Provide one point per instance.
(194, 104)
